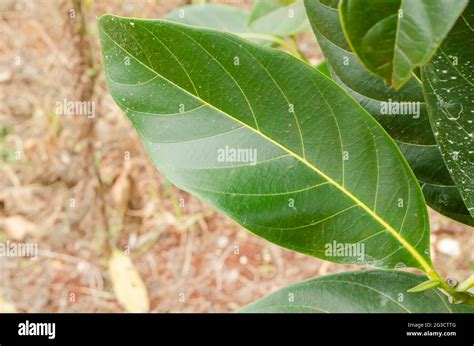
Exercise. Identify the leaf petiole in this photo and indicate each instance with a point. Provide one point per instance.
(466, 284)
(454, 293)
(293, 50)
(424, 286)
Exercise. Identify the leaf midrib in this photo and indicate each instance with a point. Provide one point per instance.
(369, 211)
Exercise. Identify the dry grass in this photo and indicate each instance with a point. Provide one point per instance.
(79, 187)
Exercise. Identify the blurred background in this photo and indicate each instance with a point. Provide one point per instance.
(110, 233)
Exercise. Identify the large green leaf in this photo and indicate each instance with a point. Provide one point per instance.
(279, 17)
(268, 140)
(359, 291)
(412, 133)
(393, 37)
(449, 88)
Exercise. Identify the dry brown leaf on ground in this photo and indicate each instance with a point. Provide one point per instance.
(128, 286)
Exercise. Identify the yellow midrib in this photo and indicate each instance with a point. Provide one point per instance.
(372, 213)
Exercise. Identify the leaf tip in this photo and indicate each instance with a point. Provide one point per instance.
(106, 18)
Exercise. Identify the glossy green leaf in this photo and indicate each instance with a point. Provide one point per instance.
(279, 17)
(393, 37)
(267, 140)
(359, 291)
(446, 200)
(449, 88)
(412, 132)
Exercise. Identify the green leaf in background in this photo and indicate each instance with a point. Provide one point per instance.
(212, 16)
(279, 17)
(225, 18)
(412, 132)
(393, 37)
(359, 291)
(267, 140)
(448, 82)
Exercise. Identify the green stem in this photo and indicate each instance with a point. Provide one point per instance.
(465, 285)
(457, 296)
(265, 37)
(278, 41)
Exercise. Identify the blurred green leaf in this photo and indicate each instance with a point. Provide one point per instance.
(279, 17)
(212, 16)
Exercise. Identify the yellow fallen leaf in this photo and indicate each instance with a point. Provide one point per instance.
(128, 286)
